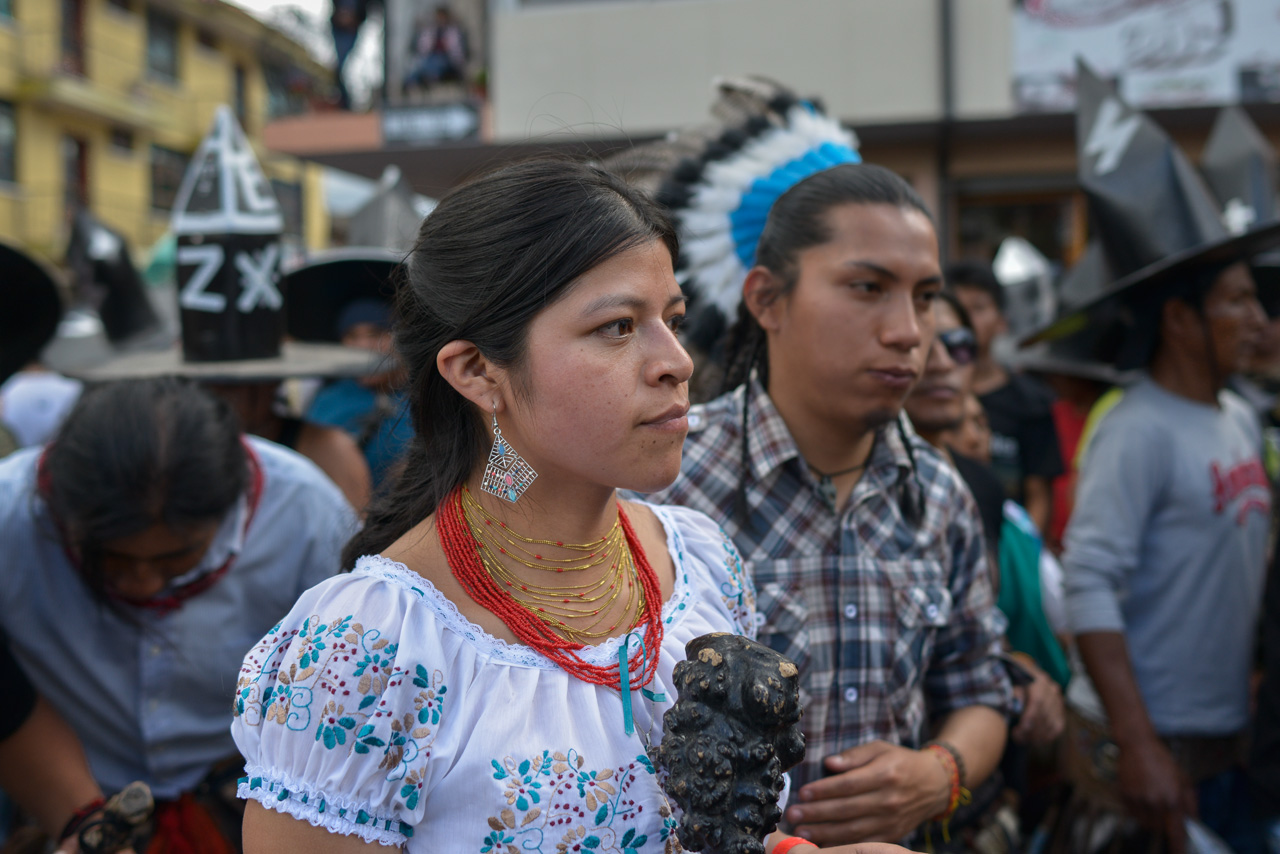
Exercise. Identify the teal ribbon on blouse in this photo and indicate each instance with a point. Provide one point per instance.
(624, 680)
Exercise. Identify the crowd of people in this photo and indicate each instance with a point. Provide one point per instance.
(437, 606)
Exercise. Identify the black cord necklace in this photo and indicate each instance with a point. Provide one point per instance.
(822, 475)
(826, 486)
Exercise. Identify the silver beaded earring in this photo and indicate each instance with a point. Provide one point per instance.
(507, 475)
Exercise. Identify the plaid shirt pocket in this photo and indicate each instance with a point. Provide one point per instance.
(786, 620)
(922, 609)
(921, 606)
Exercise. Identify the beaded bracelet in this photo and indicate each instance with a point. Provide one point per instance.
(959, 794)
(788, 843)
(79, 817)
(955, 754)
(952, 770)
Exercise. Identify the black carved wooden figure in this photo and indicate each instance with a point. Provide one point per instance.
(727, 741)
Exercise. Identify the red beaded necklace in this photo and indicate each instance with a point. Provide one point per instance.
(462, 552)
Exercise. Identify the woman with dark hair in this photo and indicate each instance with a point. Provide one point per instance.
(149, 545)
(492, 672)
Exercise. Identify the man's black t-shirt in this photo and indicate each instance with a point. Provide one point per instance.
(1024, 442)
(987, 492)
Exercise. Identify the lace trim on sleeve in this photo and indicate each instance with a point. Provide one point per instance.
(336, 815)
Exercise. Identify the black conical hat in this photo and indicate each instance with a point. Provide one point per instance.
(1239, 165)
(103, 276)
(1152, 211)
(224, 190)
(1086, 281)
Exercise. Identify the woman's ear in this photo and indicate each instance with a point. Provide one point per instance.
(760, 291)
(473, 376)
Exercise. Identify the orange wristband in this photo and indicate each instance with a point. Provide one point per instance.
(788, 843)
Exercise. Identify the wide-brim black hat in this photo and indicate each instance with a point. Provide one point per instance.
(1155, 216)
(328, 281)
(30, 308)
(1148, 281)
(1069, 357)
(1085, 354)
(296, 359)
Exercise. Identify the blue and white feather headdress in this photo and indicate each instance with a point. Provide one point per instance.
(720, 199)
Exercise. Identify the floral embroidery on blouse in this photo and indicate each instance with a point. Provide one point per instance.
(362, 722)
(738, 592)
(554, 799)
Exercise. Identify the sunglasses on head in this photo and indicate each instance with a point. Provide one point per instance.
(961, 344)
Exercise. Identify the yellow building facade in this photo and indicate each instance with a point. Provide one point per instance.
(102, 102)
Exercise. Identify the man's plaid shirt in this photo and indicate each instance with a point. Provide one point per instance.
(886, 607)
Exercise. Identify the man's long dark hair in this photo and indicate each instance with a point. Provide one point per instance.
(798, 221)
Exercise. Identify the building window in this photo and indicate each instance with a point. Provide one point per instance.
(167, 168)
(6, 8)
(240, 84)
(206, 39)
(122, 140)
(8, 143)
(277, 79)
(289, 195)
(73, 36)
(75, 172)
(162, 45)
(1048, 220)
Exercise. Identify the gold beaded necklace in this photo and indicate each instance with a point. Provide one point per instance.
(554, 605)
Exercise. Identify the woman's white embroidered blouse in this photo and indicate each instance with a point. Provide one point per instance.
(376, 709)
